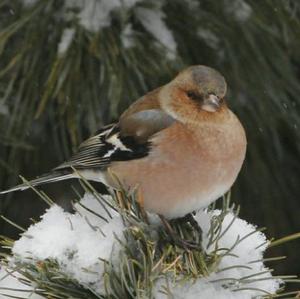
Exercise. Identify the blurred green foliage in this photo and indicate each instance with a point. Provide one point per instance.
(50, 102)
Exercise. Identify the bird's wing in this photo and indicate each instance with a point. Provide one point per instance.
(144, 118)
(102, 149)
(126, 140)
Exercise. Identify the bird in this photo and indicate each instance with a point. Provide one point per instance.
(180, 145)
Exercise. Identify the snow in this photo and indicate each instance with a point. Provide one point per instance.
(78, 241)
(77, 244)
(209, 37)
(240, 9)
(9, 281)
(96, 14)
(153, 21)
(127, 36)
(29, 3)
(221, 284)
(198, 290)
(66, 40)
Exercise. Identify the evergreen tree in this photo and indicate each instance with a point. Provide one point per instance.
(67, 67)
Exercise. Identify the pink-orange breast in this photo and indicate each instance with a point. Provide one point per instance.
(187, 169)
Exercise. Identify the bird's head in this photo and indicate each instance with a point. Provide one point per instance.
(196, 92)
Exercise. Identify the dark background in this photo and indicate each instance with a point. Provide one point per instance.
(49, 102)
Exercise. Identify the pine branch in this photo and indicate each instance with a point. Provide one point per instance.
(148, 254)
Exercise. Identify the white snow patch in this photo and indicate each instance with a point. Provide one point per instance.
(240, 9)
(10, 285)
(66, 40)
(198, 290)
(29, 3)
(127, 36)
(77, 242)
(153, 22)
(209, 37)
(96, 14)
(248, 251)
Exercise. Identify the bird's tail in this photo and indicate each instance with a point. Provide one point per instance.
(50, 177)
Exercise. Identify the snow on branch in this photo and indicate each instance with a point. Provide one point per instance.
(96, 15)
(102, 243)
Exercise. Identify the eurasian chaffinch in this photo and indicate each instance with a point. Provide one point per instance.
(179, 144)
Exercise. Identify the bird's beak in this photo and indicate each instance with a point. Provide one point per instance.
(211, 103)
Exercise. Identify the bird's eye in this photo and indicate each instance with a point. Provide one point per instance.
(193, 95)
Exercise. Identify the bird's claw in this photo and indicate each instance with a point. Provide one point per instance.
(183, 243)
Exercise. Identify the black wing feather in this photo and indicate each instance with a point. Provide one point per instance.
(107, 146)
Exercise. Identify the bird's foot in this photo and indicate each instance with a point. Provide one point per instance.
(178, 241)
(189, 218)
(187, 245)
